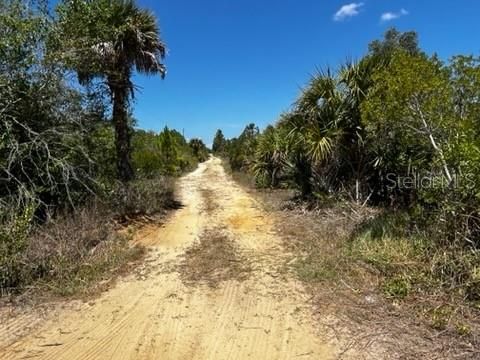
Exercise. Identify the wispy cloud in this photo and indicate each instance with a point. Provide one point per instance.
(388, 16)
(347, 11)
(232, 125)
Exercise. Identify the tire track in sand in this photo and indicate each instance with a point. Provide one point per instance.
(261, 317)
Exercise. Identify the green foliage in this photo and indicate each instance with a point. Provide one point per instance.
(22, 31)
(397, 287)
(324, 144)
(395, 40)
(240, 151)
(396, 129)
(386, 243)
(58, 149)
(165, 153)
(44, 122)
(14, 234)
(199, 149)
(101, 147)
(409, 116)
(109, 40)
(219, 143)
(142, 197)
(270, 160)
(411, 260)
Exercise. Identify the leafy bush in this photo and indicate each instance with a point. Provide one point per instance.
(240, 152)
(15, 227)
(396, 129)
(45, 123)
(397, 287)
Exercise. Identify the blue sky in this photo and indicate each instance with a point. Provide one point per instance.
(232, 62)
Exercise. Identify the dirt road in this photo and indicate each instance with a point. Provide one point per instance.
(214, 286)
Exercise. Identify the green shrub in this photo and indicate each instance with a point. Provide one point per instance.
(410, 260)
(440, 317)
(458, 269)
(397, 287)
(165, 154)
(15, 227)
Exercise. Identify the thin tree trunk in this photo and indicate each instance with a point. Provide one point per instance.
(357, 191)
(274, 179)
(439, 151)
(122, 134)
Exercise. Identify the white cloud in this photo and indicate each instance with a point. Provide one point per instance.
(388, 16)
(347, 11)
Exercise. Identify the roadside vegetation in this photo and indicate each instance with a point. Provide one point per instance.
(73, 167)
(391, 142)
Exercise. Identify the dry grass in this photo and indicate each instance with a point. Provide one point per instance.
(358, 271)
(142, 197)
(208, 196)
(74, 255)
(375, 309)
(79, 253)
(213, 260)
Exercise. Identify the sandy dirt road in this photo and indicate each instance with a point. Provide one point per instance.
(190, 300)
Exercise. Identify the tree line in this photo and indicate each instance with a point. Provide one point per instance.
(397, 129)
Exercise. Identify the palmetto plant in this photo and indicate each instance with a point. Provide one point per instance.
(270, 156)
(355, 80)
(313, 129)
(317, 126)
(325, 129)
(109, 40)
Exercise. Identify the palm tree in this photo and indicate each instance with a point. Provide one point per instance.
(110, 39)
(199, 149)
(314, 129)
(319, 106)
(356, 80)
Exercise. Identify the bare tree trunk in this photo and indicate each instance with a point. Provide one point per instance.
(357, 191)
(440, 153)
(416, 108)
(122, 134)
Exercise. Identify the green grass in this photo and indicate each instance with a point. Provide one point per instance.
(397, 287)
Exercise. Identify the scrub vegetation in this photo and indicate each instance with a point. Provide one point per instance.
(73, 167)
(391, 140)
(380, 160)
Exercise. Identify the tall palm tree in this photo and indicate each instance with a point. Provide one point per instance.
(110, 39)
